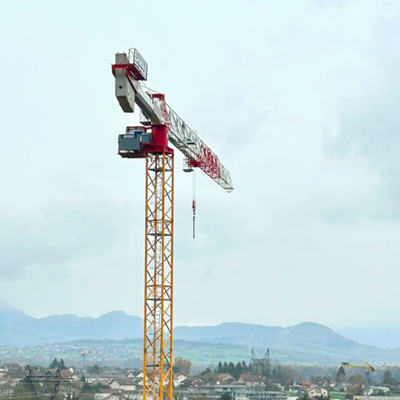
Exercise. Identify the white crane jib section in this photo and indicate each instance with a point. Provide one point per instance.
(130, 90)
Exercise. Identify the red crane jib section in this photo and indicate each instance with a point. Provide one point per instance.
(208, 162)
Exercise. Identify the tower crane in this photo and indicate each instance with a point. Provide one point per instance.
(368, 368)
(160, 125)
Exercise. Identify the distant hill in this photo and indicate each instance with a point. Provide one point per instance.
(18, 328)
(305, 342)
(308, 333)
(114, 325)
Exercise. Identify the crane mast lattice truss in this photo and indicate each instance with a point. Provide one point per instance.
(160, 124)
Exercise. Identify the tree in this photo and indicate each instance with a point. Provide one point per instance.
(61, 365)
(182, 365)
(238, 369)
(341, 375)
(286, 375)
(85, 384)
(231, 369)
(388, 379)
(94, 370)
(357, 382)
(219, 368)
(54, 364)
(208, 376)
(355, 390)
(226, 396)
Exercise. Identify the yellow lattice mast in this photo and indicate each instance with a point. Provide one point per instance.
(160, 125)
(157, 367)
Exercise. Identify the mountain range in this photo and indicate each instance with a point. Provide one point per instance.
(299, 343)
(18, 328)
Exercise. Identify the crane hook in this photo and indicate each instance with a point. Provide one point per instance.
(194, 218)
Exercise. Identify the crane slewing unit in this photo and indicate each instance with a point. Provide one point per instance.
(160, 125)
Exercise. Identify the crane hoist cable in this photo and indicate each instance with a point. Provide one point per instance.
(194, 204)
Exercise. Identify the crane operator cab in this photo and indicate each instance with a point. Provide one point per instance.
(132, 143)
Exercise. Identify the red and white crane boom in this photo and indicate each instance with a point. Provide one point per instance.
(132, 70)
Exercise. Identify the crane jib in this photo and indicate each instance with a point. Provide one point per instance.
(157, 112)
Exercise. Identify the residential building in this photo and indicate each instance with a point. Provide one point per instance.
(225, 379)
(317, 391)
(123, 384)
(306, 384)
(113, 394)
(178, 379)
(378, 390)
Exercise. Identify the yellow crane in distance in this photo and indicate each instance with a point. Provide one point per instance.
(368, 368)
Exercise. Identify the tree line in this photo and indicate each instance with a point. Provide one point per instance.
(60, 365)
(232, 369)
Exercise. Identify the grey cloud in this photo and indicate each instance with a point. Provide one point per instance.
(57, 234)
(372, 131)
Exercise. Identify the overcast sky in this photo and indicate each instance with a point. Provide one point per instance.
(299, 99)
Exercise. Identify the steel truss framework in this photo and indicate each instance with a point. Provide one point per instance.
(48, 381)
(261, 373)
(157, 368)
